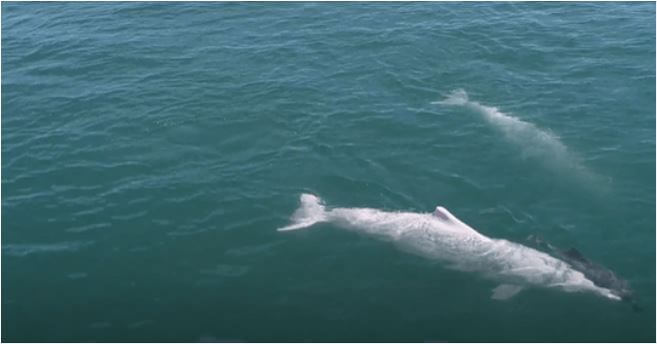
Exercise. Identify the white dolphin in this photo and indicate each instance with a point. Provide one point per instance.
(441, 236)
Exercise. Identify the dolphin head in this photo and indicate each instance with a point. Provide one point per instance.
(621, 288)
(599, 275)
(614, 286)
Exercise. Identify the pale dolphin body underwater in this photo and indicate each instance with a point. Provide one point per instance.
(534, 142)
(443, 237)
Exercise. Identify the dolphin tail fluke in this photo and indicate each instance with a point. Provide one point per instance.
(310, 212)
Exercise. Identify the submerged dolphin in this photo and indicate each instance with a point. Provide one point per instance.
(442, 236)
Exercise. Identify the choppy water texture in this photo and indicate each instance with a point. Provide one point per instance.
(150, 151)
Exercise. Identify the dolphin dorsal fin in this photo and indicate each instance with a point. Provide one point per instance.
(443, 214)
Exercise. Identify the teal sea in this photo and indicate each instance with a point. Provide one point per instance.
(151, 150)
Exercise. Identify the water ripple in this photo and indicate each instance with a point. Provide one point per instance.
(22, 250)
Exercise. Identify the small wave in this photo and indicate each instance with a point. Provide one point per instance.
(85, 228)
(223, 270)
(253, 249)
(21, 250)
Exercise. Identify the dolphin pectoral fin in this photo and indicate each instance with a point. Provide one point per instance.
(506, 291)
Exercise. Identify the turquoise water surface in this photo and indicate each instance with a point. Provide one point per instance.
(150, 151)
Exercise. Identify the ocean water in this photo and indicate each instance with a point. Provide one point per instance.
(150, 151)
